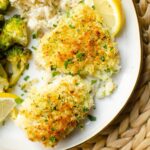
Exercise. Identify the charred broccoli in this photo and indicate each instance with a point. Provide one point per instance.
(3, 79)
(14, 32)
(1, 21)
(5, 42)
(4, 4)
(17, 58)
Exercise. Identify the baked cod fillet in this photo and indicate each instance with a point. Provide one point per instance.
(80, 44)
(50, 113)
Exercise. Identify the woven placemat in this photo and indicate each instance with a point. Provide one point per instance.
(131, 129)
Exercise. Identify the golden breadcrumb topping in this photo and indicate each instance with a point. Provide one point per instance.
(80, 44)
(52, 112)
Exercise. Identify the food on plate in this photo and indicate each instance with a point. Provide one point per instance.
(53, 111)
(12, 65)
(2, 20)
(7, 103)
(77, 56)
(17, 58)
(80, 44)
(112, 13)
(4, 4)
(44, 14)
(3, 79)
(13, 32)
(37, 12)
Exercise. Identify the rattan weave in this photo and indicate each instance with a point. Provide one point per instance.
(131, 129)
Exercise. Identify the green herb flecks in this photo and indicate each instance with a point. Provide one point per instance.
(102, 58)
(80, 56)
(53, 68)
(22, 94)
(18, 100)
(55, 73)
(82, 1)
(91, 118)
(26, 78)
(53, 129)
(85, 109)
(52, 139)
(34, 35)
(105, 46)
(27, 66)
(93, 6)
(34, 48)
(71, 26)
(68, 13)
(54, 25)
(67, 62)
(93, 82)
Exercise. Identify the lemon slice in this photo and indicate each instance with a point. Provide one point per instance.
(112, 14)
(7, 103)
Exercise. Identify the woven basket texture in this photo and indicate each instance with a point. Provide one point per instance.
(131, 129)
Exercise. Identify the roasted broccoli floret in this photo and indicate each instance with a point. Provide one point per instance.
(4, 4)
(3, 79)
(14, 32)
(17, 58)
(2, 20)
(5, 42)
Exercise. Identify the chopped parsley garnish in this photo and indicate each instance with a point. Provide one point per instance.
(111, 48)
(55, 73)
(54, 108)
(34, 35)
(59, 97)
(82, 1)
(81, 126)
(105, 46)
(53, 129)
(68, 13)
(71, 26)
(3, 123)
(93, 82)
(79, 72)
(27, 66)
(77, 84)
(22, 94)
(102, 58)
(70, 74)
(53, 68)
(107, 70)
(54, 25)
(94, 107)
(18, 100)
(67, 62)
(85, 109)
(91, 118)
(52, 139)
(26, 78)
(34, 48)
(80, 56)
(93, 6)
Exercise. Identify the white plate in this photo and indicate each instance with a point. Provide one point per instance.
(12, 138)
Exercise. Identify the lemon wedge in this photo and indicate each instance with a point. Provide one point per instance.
(112, 14)
(7, 102)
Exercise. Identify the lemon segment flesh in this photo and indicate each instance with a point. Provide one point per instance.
(7, 103)
(112, 14)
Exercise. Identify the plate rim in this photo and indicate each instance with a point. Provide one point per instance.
(137, 80)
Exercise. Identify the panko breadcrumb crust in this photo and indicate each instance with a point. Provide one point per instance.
(80, 44)
(52, 112)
